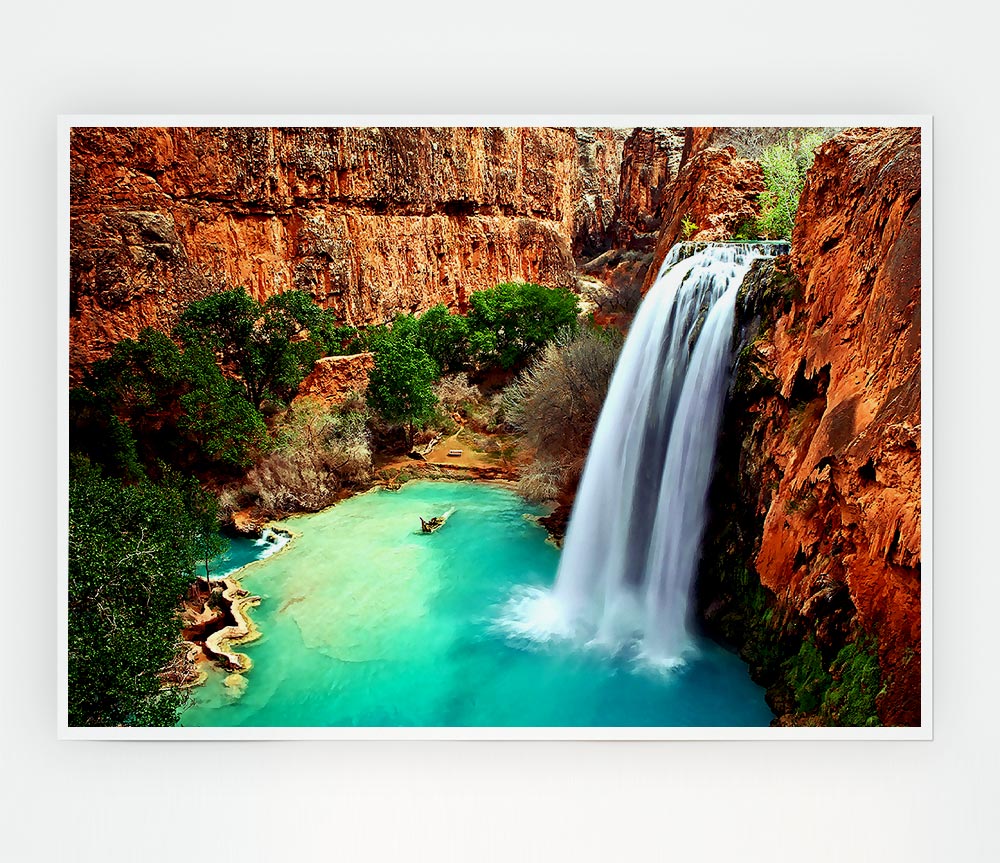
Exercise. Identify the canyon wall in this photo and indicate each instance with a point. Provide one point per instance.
(613, 266)
(818, 490)
(369, 221)
(599, 154)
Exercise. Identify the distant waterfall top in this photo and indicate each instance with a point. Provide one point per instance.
(634, 537)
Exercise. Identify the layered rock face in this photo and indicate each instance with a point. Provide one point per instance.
(369, 221)
(599, 155)
(818, 493)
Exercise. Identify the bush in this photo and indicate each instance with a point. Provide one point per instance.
(338, 339)
(785, 167)
(456, 393)
(509, 323)
(317, 453)
(540, 481)
(556, 401)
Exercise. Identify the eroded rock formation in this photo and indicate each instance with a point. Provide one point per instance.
(333, 379)
(599, 154)
(818, 493)
(715, 192)
(616, 264)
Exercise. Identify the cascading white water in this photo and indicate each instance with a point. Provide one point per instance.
(634, 537)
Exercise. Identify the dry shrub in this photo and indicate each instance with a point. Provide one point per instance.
(488, 415)
(750, 142)
(541, 481)
(554, 404)
(455, 392)
(317, 454)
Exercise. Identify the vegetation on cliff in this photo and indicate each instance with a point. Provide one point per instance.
(212, 401)
(784, 165)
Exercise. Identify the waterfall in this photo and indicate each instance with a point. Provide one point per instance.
(634, 537)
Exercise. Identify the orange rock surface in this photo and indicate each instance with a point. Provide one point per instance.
(333, 378)
(846, 510)
(369, 221)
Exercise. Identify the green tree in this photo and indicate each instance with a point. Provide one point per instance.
(224, 426)
(338, 339)
(150, 401)
(508, 323)
(784, 167)
(133, 550)
(400, 386)
(267, 346)
(444, 336)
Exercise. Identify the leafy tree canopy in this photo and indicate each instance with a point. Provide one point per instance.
(133, 550)
(400, 384)
(508, 323)
(443, 336)
(267, 346)
(151, 401)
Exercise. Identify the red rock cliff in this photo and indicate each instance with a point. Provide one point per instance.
(716, 190)
(828, 462)
(856, 252)
(618, 256)
(599, 153)
(650, 163)
(369, 221)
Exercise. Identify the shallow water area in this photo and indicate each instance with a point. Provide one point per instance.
(366, 621)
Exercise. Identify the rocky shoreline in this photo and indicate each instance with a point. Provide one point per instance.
(216, 618)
